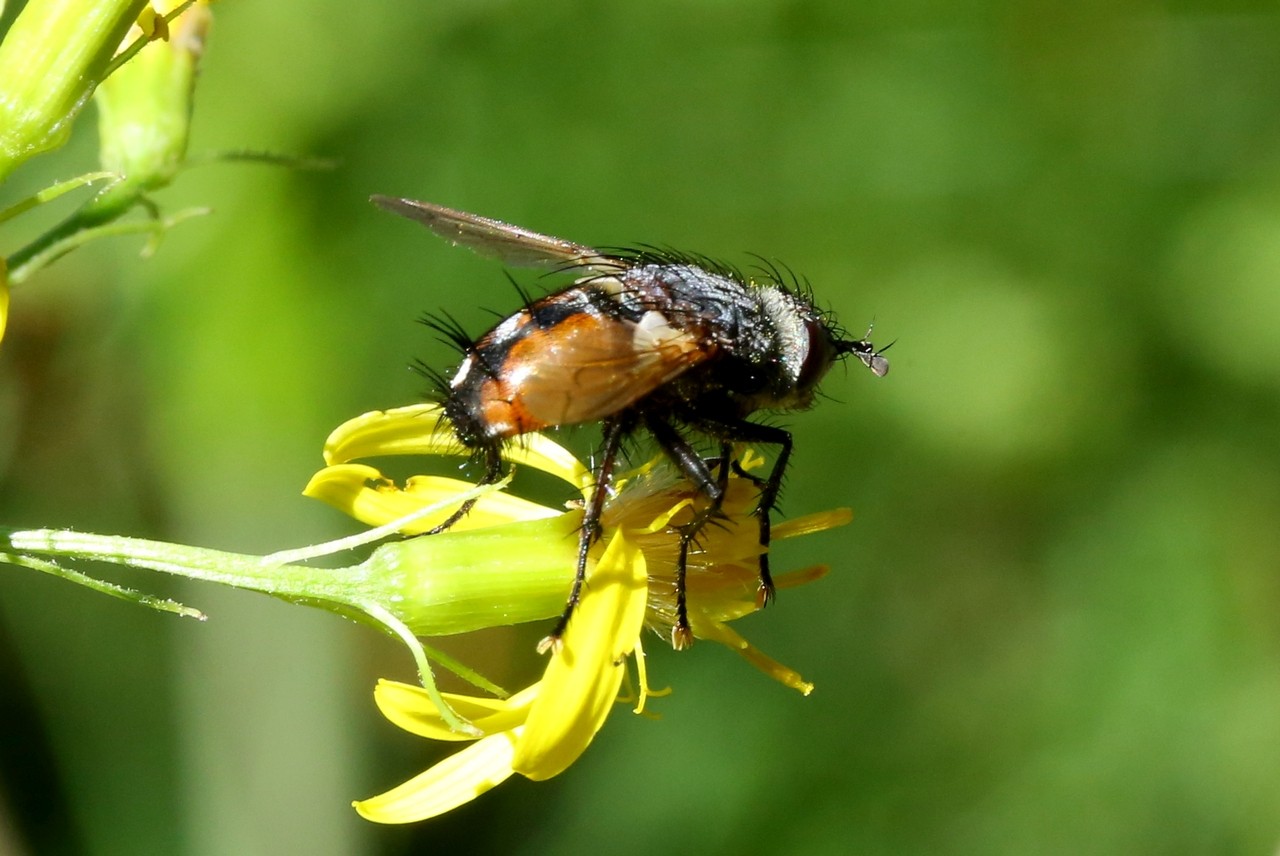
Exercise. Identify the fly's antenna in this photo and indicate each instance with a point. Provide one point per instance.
(866, 352)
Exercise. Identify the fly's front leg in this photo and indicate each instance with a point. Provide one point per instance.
(614, 429)
(750, 432)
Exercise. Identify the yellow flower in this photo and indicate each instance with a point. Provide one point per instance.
(541, 730)
(4, 296)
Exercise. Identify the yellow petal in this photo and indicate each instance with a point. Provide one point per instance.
(458, 779)
(705, 628)
(421, 429)
(410, 707)
(152, 24)
(4, 296)
(730, 592)
(582, 680)
(801, 577)
(810, 523)
(418, 429)
(535, 450)
(362, 492)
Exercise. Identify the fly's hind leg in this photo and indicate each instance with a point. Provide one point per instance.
(492, 474)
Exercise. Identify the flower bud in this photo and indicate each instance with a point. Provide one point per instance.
(50, 61)
(144, 108)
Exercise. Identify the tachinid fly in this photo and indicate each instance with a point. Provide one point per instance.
(644, 339)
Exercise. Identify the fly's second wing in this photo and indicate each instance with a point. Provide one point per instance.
(584, 368)
(513, 245)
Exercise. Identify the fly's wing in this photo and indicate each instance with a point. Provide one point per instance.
(512, 245)
(588, 366)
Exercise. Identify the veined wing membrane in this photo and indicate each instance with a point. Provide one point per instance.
(509, 244)
(592, 368)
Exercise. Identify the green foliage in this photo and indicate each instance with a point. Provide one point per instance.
(1052, 626)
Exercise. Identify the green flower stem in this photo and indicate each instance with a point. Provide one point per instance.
(436, 585)
(101, 586)
(431, 585)
(51, 193)
(235, 569)
(74, 233)
(53, 56)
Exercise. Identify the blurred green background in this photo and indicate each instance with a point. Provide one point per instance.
(1054, 625)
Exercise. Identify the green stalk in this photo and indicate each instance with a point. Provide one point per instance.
(53, 56)
(436, 585)
(425, 586)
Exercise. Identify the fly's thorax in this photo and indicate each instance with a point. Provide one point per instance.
(789, 333)
(802, 348)
(690, 297)
(771, 346)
